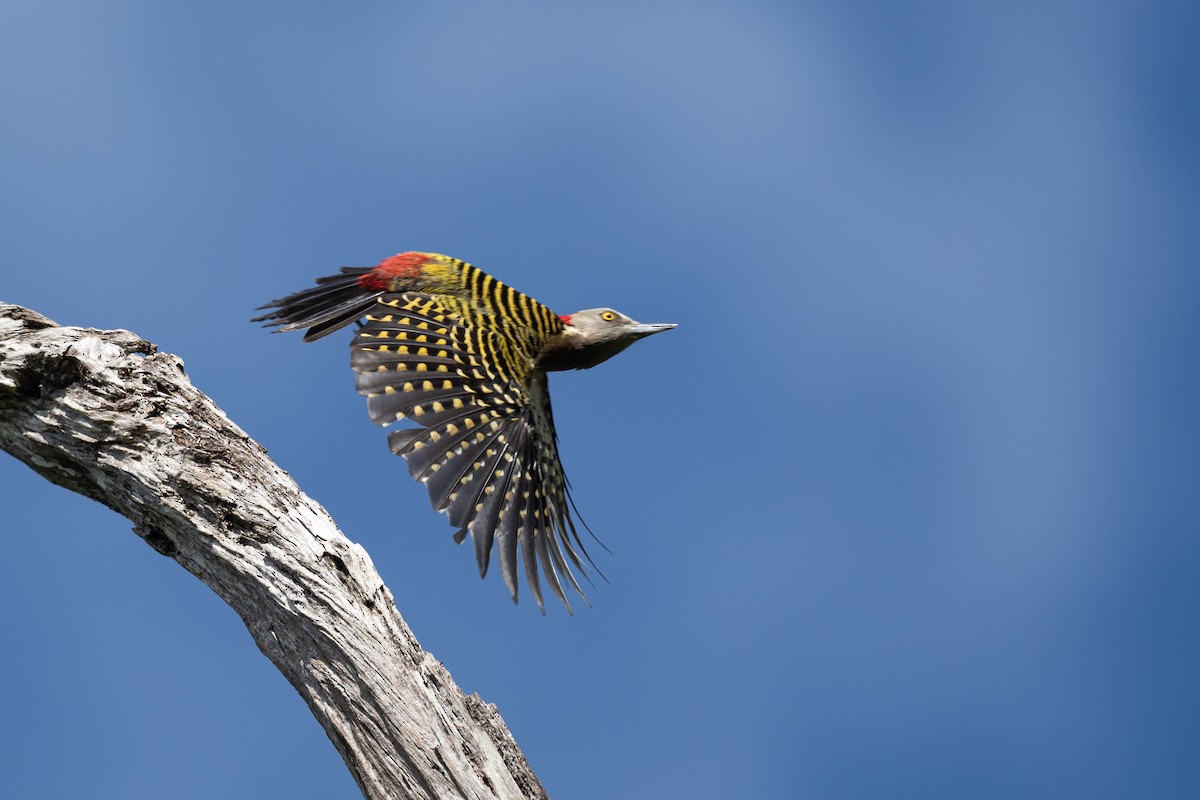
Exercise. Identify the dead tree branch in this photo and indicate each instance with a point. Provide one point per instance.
(103, 414)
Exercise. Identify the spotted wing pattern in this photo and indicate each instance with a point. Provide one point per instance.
(485, 447)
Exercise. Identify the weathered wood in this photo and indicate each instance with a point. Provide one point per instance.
(103, 414)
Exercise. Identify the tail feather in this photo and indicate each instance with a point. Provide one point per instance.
(335, 302)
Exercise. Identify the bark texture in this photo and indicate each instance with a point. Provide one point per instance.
(103, 414)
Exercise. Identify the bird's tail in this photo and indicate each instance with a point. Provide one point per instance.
(332, 304)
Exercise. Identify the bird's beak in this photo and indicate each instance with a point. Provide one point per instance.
(642, 330)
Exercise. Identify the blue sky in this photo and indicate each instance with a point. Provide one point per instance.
(906, 507)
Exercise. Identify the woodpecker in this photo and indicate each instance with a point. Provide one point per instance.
(464, 357)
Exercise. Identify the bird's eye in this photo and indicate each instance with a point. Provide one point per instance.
(608, 316)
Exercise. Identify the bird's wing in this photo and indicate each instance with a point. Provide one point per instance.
(462, 368)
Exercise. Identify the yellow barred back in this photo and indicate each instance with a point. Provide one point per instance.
(470, 292)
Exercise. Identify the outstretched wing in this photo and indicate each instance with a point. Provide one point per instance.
(461, 366)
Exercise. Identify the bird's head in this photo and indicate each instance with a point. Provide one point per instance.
(592, 336)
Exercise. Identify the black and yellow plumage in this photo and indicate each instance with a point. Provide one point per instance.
(465, 357)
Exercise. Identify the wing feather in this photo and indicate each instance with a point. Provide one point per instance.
(484, 525)
(508, 522)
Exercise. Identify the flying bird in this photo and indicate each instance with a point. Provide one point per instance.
(452, 349)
